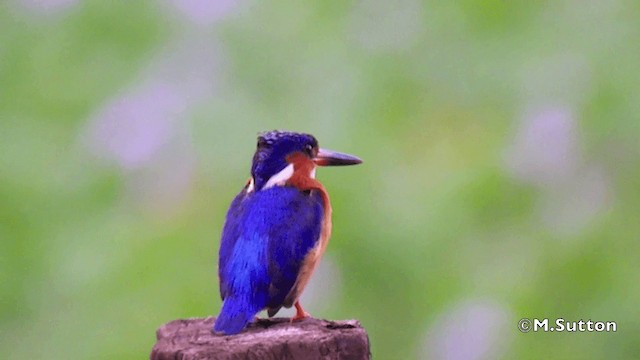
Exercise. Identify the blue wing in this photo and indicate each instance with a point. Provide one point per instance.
(266, 236)
(230, 234)
(295, 232)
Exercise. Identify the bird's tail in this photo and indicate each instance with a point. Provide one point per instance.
(234, 316)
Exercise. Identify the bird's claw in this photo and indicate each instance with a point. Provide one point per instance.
(300, 313)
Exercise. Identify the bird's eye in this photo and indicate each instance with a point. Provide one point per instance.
(309, 149)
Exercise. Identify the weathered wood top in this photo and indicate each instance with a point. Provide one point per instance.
(265, 339)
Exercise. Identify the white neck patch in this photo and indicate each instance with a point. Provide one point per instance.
(280, 178)
(251, 186)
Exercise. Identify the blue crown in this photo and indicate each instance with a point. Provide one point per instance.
(272, 151)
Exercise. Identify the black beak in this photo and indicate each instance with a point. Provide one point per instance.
(332, 158)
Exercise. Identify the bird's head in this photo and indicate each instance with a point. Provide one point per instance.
(277, 151)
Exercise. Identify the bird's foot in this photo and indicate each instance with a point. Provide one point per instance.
(300, 313)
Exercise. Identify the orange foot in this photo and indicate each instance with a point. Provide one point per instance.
(300, 313)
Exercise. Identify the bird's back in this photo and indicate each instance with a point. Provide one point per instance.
(266, 236)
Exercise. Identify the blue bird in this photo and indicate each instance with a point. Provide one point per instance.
(276, 230)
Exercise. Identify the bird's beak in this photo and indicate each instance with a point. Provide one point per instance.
(333, 158)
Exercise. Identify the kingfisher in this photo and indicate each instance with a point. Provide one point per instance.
(276, 230)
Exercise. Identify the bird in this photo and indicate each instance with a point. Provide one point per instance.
(276, 230)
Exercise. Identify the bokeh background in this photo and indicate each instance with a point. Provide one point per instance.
(501, 176)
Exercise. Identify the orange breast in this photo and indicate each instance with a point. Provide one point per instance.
(301, 179)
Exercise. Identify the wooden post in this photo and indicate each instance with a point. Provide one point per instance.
(265, 339)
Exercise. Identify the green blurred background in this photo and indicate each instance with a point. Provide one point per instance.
(501, 176)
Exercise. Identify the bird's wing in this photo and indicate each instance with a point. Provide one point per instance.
(265, 239)
(296, 232)
(230, 235)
